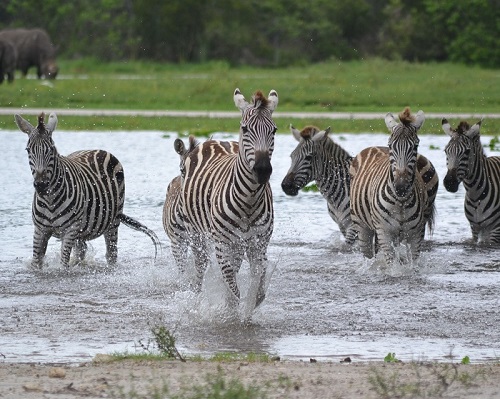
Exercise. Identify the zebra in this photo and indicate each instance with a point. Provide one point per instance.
(226, 198)
(393, 190)
(77, 197)
(466, 162)
(173, 220)
(317, 157)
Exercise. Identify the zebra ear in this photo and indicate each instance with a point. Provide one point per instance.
(295, 133)
(447, 127)
(52, 123)
(239, 100)
(390, 122)
(272, 100)
(474, 130)
(319, 135)
(419, 119)
(179, 147)
(23, 124)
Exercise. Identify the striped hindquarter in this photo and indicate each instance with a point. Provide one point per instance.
(392, 199)
(226, 198)
(467, 163)
(318, 158)
(77, 198)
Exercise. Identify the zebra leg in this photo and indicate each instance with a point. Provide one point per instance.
(40, 241)
(258, 266)
(80, 250)
(201, 259)
(386, 243)
(475, 234)
(179, 250)
(111, 240)
(366, 237)
(68, 242)
(350, 235)
(229, 258)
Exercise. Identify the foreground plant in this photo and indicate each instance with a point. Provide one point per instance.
(429, 380)
(216, 386)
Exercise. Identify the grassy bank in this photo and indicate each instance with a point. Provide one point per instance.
(369, 86)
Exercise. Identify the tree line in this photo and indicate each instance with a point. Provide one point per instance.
(266, 33)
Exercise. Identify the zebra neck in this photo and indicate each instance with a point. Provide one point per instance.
(244, 183)
(476, 181)
(58, 183)
(331, 173)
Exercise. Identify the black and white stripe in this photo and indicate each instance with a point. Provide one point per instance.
(317, 157)
(480, 175)
(393, 190)
(173, 219)
(77, 197)
(226, 196)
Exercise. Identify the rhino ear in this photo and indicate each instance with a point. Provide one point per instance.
(52, 123)
(23, 124)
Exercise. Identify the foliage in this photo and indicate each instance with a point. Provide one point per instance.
(334, 86)
(164, 343)
(216, 386)
(465, 360)
(427, 380)
(273, 33)
(494, 144)
(391, 358)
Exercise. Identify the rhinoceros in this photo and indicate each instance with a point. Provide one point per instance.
(34, 48)
(8, 58)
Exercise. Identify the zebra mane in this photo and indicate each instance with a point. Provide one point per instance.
(41, 123)
(406, 117)
(193, 143)
(462, 128)
(308, 132)
(259, 100)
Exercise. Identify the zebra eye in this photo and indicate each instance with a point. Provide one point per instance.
(308, 157)
(467, 152)
(244, 128)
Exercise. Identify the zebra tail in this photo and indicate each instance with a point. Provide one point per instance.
(136, 225)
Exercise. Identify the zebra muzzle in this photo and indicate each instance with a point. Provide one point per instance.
(262, 168)
(288, 185)
(451, 182)
(41, 187)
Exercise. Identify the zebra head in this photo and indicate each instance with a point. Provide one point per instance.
(183, 152)
(41, 150)
(461, 152)
(301, 170)
(403, 148)
(257, 130)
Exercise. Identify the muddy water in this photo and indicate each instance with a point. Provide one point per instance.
(322, 301)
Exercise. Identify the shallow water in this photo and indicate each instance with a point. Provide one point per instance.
(322, 301)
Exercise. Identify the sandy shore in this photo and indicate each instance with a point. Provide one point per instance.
(279, 379)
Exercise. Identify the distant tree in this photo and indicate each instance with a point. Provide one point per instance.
(170, 30)
(468, 30)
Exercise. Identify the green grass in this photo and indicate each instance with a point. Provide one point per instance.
(219, 357)
(358, 86)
